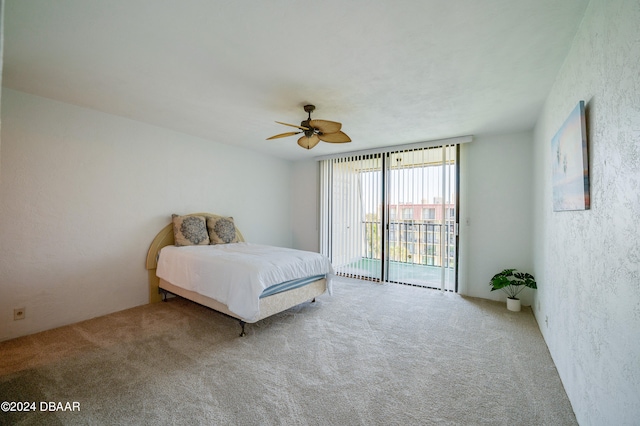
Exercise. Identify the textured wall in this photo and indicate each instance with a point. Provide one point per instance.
(588, 263)
(83, 193)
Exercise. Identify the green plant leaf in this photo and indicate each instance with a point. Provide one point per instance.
(510, 280)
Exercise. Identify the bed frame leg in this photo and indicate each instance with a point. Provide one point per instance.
(242, 333)
(164, 294)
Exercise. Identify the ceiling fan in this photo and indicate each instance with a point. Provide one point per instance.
(315, 131)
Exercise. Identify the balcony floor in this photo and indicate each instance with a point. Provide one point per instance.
(401, 272)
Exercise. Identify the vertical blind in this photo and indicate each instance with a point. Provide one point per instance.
(391, 216)
(351, 191)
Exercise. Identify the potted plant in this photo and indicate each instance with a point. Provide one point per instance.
(512, 282)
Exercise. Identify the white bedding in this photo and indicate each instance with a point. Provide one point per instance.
(236, 274)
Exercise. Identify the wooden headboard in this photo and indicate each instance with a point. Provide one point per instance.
(165, 238)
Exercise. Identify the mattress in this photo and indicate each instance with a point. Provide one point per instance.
(290, 285)
(238, 274)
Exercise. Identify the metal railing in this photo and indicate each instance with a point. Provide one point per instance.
(412, 242)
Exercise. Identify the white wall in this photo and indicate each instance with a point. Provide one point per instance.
(1, 60)
(305, 211)
(588, 262)
(496, 198)
(495, 211)
(83, 193)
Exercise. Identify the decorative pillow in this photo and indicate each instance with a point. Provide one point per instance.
(222, 230)
(190, 230)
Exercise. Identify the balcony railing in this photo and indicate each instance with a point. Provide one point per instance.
(413, 242)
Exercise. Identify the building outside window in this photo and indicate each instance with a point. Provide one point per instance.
(428, 213)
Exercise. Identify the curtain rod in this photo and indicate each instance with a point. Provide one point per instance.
(394, 148)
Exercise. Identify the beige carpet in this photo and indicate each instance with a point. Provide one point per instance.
(370, 354)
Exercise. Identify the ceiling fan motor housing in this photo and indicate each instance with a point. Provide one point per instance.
(311, 131)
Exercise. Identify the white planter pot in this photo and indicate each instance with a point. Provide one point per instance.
(513, 305)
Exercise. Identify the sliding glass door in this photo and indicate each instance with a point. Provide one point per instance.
(421, 201)
(392, 216)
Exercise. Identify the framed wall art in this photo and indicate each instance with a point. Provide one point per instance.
(570, 163)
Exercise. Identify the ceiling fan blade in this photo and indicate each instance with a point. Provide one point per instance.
(337, 137)
(308, 143)
(283, 135)
(293, 125)
(325, 126)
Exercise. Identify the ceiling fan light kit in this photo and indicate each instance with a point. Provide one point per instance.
(315, 131)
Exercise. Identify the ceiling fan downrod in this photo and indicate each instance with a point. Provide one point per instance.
(308, 109)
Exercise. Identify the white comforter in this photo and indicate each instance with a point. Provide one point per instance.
(236, 274)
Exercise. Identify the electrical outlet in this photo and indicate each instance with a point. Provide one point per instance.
(18, 314)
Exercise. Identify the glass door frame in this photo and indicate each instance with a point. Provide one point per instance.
(386, 222)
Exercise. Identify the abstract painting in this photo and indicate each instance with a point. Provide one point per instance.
(570, 163)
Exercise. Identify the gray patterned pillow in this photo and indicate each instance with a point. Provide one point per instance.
(190, 230)
(222, 230)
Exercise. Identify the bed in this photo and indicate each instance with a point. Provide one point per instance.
(224, 272)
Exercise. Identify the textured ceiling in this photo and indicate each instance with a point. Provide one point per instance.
(392, 71)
